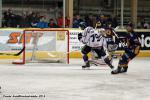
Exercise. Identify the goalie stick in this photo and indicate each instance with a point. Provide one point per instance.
(17, 54)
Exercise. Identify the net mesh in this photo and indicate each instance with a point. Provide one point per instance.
(46, 46)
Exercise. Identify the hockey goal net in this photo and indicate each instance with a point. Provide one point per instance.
(45, 45)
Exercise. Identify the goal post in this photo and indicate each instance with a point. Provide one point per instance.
(45, 45)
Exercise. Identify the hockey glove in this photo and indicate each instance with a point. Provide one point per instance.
(79, 36)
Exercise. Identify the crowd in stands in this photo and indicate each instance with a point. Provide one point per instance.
(142, 23)
(91, 20)
(32, 20)
(35, 20)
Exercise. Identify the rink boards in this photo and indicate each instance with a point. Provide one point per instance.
(75, 46)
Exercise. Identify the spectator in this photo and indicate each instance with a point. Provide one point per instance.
(18, 19)
(24, 20)
(12, 19)
(102, 20)
(76, 21)
(139, 22)
(52, 24)
(42, 23)
(114, 21)
(89, 20)
(6, 22)
(60, 20)
(32, 18)
(67, 21)
(146, 25)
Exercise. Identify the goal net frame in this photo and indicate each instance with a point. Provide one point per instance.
(23, 60)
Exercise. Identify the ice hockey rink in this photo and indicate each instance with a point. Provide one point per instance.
(49, 81)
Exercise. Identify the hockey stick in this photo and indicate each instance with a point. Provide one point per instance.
(97, 62)
(17, 54)
(52, 55)
(116, 35)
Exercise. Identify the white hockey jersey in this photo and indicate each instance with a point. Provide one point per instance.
(93, 38)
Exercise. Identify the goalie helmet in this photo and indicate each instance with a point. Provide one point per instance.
(82, 25)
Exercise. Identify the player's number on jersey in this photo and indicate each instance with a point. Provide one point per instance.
(95, 38)
(109, 39)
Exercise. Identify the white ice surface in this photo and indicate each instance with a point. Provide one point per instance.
(70, 82)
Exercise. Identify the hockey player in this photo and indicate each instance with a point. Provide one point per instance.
(93, 41)
(110, 39)
(95, 59)
(131, 50)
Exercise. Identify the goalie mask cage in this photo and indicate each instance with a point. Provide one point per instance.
(45, 45)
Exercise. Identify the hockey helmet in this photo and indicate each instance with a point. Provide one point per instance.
(82, 25)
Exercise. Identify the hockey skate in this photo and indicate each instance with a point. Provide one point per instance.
(117, 71)
(120, 70)
(124, 69)
(87, 65)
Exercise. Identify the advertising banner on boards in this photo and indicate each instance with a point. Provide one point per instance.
(144, 37)
(8, 43)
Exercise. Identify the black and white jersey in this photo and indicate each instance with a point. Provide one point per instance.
(93, 38)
